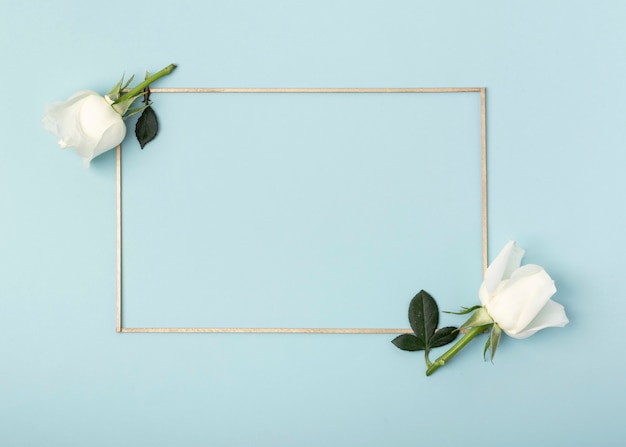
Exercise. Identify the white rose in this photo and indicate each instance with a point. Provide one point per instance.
(87, 123)
(518, 298)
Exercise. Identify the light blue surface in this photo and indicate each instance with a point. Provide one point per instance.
(556, 133)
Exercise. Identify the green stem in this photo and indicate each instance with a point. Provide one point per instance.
(428, 362)
(137, 90)
(454, 350)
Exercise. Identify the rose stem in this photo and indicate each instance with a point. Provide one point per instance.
(135, 91)
(454, 350)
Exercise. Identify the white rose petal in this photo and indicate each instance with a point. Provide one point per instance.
(500, 269)
(551, 315)
(87, 123)
(518, 298)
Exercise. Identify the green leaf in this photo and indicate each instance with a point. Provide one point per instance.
(408, 342)
(423, 316)
(443, 336)
(147, 127)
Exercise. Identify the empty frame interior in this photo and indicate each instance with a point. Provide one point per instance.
(300, 210)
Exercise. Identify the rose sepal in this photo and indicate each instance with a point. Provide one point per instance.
(492, 342)
(123, 107)
(464, 310)
(136, 110)
(479, 318)
(117, 89)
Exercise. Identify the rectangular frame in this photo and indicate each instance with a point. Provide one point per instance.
(119, 258)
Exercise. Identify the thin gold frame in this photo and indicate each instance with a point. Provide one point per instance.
(483, 132)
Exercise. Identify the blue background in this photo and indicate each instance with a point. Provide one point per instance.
(556, 133)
